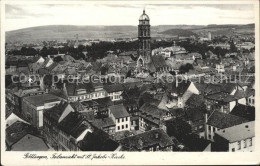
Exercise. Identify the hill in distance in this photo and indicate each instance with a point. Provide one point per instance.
(68, 32)
(180, 32)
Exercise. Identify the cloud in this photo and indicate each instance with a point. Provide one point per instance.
(14, 11)
(216, 6)
(124, 13)
(19, 12)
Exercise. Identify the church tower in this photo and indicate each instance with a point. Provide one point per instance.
(144, 40)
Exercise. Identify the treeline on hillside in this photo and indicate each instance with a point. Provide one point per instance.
(202, 48)
(99, 50)
(95, 51)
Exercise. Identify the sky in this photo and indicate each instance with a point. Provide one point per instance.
(18, 16)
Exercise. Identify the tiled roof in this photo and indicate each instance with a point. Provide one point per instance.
(52, 66)
(74, 124)
(55, 112)
(73, 87)
(238, 132)
(77, 106)
(195, 100)
(158, 61)
(119, 111)
(223, 120)
(17, 131)
(148, 98)
(181, 88)
(123, 134)
(146, 140)
(35, 59)
(103, 123)
(39, 100)
(103, 102)
(244, 111)
(59, 93)
(221, 96)
(98, 140)
(152, 110)
(195, 114)
(113, 88)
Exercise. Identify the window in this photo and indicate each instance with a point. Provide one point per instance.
(126, 126)
(209, 127)
(126, 118)
(214, 129)
(233, 149)
(253, 101)
(123, 126)
(118, 128)
(132, 123)
(209, 136)
(249, 100)
(250, 142)
(238, 145)
(118, 120)
(245, 143)
(122, 119)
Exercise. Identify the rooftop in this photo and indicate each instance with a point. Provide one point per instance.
(221, 96)
(152, 110)
(146, 140)
(17, 131)
(113, 88)
(119, 111)
(74, 124)
(55, 112)
(98, 140)
(238, 132)
(223, 120)
(244, 111)
(103, 123)
(40, 100)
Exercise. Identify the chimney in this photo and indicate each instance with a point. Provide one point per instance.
(176, 81)
(205, 124)
(41, 83)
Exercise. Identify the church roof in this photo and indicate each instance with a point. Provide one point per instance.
(144, 16)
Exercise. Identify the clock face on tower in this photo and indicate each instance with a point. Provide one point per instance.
(144, 39)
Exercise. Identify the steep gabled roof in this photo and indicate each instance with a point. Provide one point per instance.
(223, 120)
(74, 124)
(17, 131)
(244, 111)
(53, 114)
(98, 140)
(119, 111)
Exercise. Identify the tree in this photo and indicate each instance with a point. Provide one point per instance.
(57, 59)
(104, 69)
(233, 47)
(178, 128)
(44, 52)
(81, 48)
(23, 50)
(185, 68)
(252, 49)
